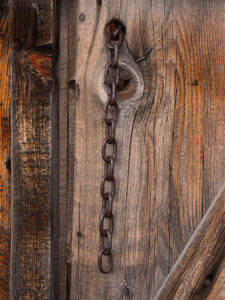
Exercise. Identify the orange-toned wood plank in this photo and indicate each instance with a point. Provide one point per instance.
(4, 157)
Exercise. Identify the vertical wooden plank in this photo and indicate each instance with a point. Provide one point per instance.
(32, 81)
(170, 139)
(62, 65)
(197, 160)
(5, 161)
(67, 93)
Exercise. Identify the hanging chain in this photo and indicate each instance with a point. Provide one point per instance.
(114, 41)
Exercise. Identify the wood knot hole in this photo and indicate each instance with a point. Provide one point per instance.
(72, 84)
(128, 83)
(82, 17)
(79, 234)
(127, 289)
(112, 26)
(8, 164)
(207, 282)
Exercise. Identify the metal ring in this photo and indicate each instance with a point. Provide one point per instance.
(109, 246)
(109, 167)
(111, 131)
(116, 33)
(114, 61)
(109, 140)
(101, 268)
(101, 223)
(115, 112)
(110, 41)
(113, 94)
(109, 207)
(108, 81)
(102, 186)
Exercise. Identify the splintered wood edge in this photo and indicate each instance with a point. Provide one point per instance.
(185, 262)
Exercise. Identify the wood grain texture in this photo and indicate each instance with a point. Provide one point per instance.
(170, 138)
(5, 96)
(68, 91)
(66, 154)
(196, 270)
(31, 274)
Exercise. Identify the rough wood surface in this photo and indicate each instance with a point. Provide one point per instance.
(170, 138)
(31, 46)
(66, 150)
(4, 154)
(196, 270)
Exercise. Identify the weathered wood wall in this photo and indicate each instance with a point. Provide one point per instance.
(171, 157)
(4, 153)
(170, 139)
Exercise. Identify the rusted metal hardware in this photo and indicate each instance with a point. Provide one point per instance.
(114, 41)
(145, 56)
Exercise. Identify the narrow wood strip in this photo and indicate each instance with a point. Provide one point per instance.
(5, 161)
(200, 257)
(62, 64)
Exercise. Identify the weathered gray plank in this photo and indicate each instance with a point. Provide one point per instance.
(170, 138)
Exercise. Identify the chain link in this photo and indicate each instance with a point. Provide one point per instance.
(114, 41)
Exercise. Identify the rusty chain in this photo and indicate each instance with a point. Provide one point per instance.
(114, 41)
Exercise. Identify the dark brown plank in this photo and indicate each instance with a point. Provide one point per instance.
(63, 209)
(170, 138)
(32, 81)
(5, 161)
(195, 270)
(67, 93)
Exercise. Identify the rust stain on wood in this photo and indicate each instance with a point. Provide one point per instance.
(4, 155)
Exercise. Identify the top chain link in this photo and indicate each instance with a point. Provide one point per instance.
(114, 41)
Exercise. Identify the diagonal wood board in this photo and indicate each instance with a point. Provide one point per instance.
(202, 260)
